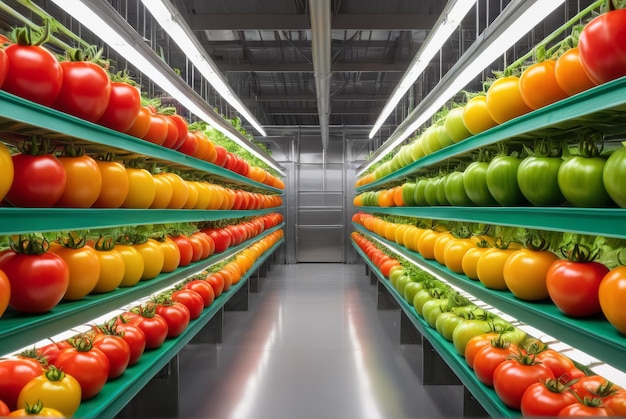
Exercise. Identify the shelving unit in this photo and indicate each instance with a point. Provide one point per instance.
(484, 395)
(591, 108)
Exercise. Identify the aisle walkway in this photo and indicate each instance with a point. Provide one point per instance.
(311, 346)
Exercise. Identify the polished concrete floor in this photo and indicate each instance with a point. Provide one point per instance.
(311, 346)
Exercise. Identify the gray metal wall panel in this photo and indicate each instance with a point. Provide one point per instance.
(325, 216)
(320, 199)
(320, 244)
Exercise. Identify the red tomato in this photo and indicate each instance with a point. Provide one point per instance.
(85, 91)
(617, 403)
(220, 158)
(197, 247)
(117, 350)
(49, 352)
(33, 73)
(88, 365)
(220, 237)
(183, 129)
(574, 286)
(594, 386)
(84, 182)
(4, 409)
(38, 282)
(5, 292)
(204, 289)
(546, 398)
(136, 340)
(216, 281)
(190, 299)
(39, 181)
(177, 317)
(153, 326)
(4, 66)
(602, 46)
(172, 132)
(123, 107)
(185, 248)
(558, 363)
(475, 344)
(586, 408)
(208, 247)
(487, 360)
(190, 145)
(14, 374)
(512, 377)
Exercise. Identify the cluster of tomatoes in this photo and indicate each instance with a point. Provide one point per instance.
(77, 368)
(84, 89)
(38, 178)
(35, 276)
(599, 57)
(509, 180)
(526, 374)
(578, 285)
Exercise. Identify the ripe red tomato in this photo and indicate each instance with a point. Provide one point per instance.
(153, 326)
(558, 363)
(88, 365)
(4, 66)
(117, 350)
(616, 402)
(85, 90)
(172, 132)
(574, 286)
(586, 408)
(4, 409)
(142, 123)
(135, 338)
(157, 129)
(197, 247)
(475, 344)
(594, 386)
(38, 281)
(488, 358)
(546, 398)
(33, 73)
(14, 374)
(220, 237)
(204, 289)
(39, 181)
(123, 107)
(190, 299)
(216, 280)
(185, 248)
(220, 157)
(183, 129)
(84, 182)
(602, 46)
(208, 247)
(512, 377)
(49, 352)
(190, 145)
(177, 317)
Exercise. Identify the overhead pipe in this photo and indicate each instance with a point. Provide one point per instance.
(321, 51)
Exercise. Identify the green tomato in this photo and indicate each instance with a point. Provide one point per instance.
(580, 181)
(537, 178)
(455, 126)
(430, 192)
(441, 191)
(420, 299)
(467, 330)
(419, 196)
(431, 310)
(402, 282)
(515, 336)
(455, 191)
(475, 183)
(613, 176)
(431, 140)
(446, 323)
(417, 150)
(502, 180)
(411, 289)
(445, 139)
(395, 274)
(408, 193)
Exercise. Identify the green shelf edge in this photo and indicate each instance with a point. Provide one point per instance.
(594, 336)
(599, 98)
(31, 220)
(609, 222)
(485, 396)
(118, 393)
(24, 111)
(20, 330)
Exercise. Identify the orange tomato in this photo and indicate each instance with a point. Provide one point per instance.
(84, 182)
(141, 124)
(426, 244)
(570, 73)
(163, 192)
(5, 292)
(115, 185)
(84, 268)
(538, 85)
(454, 252)
(469, 262)
(171, 255)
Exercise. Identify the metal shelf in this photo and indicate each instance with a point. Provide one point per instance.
(594, 335)
(591, 108)
(608, 222)
(30, 220)
(23, 116)
(486, 396)
(18, 330)
(118, 393)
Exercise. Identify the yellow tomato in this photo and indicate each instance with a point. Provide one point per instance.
(53, 389)
(470, 261)
(490, 268)
(180, 192)
(133, 264)
(454, 252)
(6, 171)
(525, 273)
(111, 270)
(440, 246)
(163, 192)
(153, 258)
(141, 189)
(171, 255)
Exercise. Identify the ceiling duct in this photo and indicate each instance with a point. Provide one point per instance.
(321, 51)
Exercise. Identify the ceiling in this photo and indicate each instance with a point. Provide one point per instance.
(264, 50)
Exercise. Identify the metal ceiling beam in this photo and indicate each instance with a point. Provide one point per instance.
(312, 98)
(246, 21)
(313, 111)
(301, 45)
(278, 67)
(321, 50)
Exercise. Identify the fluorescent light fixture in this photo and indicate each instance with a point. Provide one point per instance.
(173, 23)
(446, 24)
(517, 19)
(105, 24)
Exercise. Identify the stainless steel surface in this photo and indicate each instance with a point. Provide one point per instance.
(311, 346)
(322, 216)
(319, 199)
(320, 243)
